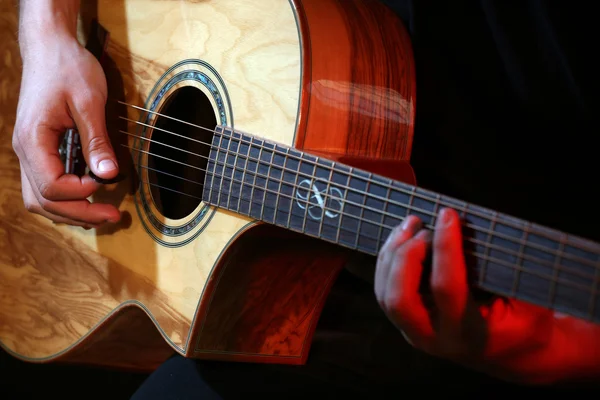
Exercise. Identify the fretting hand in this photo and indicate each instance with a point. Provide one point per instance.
(508, 339)
(63, 86)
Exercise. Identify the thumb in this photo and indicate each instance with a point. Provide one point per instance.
(90, 119)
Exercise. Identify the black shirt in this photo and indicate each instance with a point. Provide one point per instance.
(504, 101)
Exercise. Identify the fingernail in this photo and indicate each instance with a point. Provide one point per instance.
(406, 224)
(446, 216)
(106, 166)
(424, 235)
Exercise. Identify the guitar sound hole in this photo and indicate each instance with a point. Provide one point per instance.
(177, 188)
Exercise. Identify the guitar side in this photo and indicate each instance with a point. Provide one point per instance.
(72, 296)
(357, 107)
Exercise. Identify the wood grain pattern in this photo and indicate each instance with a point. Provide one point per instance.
(68, 294)
(267, 298)
(380, 131)
(359, 88)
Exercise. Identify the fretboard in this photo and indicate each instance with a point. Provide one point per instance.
(355, 209)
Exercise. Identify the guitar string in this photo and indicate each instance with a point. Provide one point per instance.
(510, 266)
(263, 162)
(409, 208)
(493, 233)
(551, 278)
(325, 208)
(465, 209)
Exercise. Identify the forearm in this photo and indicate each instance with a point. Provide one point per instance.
(43, 20)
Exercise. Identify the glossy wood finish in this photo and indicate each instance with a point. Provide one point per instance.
(266, 298)
(328, 117)
(359, 83)
(217, 297)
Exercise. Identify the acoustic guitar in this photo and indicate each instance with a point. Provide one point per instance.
(262, 145)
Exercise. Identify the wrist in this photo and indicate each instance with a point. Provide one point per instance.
(572, 355)
(44, 22)
(580, 348)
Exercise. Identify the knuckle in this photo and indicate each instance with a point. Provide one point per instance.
(19, 135)
(442, 290)
(16, 144)
(97, 144)
(408, 253)
(88, 100)
(381, 257)
(32, 207)
(443, 242)
(396, 302)
(46, 190)
(45, 205)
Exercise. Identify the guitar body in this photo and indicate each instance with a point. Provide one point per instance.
(332, 77)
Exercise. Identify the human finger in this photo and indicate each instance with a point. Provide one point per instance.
(402, 301)
(32, 205)
(449, 285)
(37, 148)
(88, 111)
(399, 235)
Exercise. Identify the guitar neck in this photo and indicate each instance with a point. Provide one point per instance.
(356, 209)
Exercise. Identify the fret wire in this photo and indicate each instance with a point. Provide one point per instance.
(309, 191)
(210, 190)
(243, 182)
(487, 246)
(532, 245)
(337, 237)
(234, 165)
(554, 279)
(540, 233)
(593, 295)
(409, 206)
(555, 271)
(504, 250)
(413, 193)
(362, 211)
(493, 233)
(262, 211)
(289, 222)
(224, 166)
(501, 235)
(254, 179)
(320, 231)
(308, 195)
(513, 267)
(464, 210)
(278, 193)
(386, 203)
(594, 292)
(536, 273)
(436, 209)
(520, 256)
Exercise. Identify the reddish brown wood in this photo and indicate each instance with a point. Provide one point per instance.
(127, 340)
(264, 298)
(359, 89)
